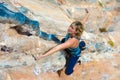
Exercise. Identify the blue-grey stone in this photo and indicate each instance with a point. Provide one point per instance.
(16, 17)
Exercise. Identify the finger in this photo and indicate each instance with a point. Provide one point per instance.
(34, 57)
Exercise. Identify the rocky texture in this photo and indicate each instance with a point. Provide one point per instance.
(8, 16)
(103, 69)
(100, 61)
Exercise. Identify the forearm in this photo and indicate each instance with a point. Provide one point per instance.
(53, 50)
(59, 47)
(85, 18)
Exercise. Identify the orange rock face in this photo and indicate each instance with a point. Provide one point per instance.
(104, 69)
(55, 19)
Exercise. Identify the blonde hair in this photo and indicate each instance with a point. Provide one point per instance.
(79, 28)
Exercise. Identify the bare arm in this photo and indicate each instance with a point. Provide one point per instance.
(62, 46)
(86, 17)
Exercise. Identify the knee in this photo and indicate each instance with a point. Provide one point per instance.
(68, 71)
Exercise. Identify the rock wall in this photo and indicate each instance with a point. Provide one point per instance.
(100, 60)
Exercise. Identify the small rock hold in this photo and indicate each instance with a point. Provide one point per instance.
(6, 49)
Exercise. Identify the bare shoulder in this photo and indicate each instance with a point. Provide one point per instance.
(72, 41)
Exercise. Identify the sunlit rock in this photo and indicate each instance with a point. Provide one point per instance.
(18, 49)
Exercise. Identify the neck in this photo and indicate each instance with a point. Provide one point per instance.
(71, 35)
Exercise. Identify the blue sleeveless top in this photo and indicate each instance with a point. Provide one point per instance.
(73, 51)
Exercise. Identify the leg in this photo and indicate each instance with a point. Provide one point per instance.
(70, 64)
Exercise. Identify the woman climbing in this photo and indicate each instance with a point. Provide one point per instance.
(70, 44)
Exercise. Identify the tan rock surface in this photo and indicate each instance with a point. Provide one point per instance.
(104, 69)
(54, 17)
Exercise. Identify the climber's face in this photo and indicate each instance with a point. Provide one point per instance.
(72, 30)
